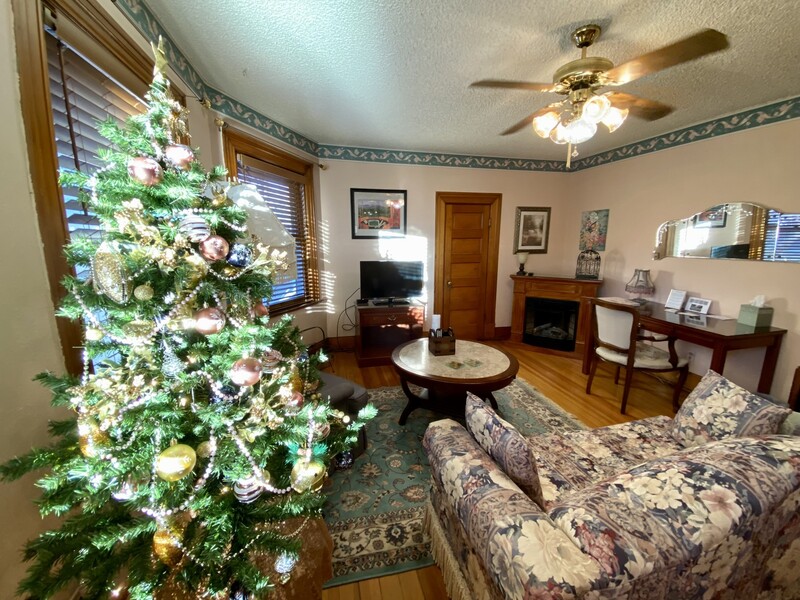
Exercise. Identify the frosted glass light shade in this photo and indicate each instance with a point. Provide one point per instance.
(543, 124)
(595, 108)
(614, 118)
(559, 134)
(579, 130)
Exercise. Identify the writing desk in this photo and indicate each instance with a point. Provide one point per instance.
(720, 335)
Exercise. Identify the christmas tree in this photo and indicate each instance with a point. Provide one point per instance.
(198, 431)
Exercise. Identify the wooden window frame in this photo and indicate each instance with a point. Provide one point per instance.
(94, 25)
(236, 142)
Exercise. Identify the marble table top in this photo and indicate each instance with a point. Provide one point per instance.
(472, 360)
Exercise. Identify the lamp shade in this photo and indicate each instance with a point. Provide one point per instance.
(641, 283)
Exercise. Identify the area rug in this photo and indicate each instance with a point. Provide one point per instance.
(375, 509)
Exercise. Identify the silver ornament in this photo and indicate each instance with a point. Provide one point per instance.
(285, 563)
(195, 228)
(247, 490)
(171, 365)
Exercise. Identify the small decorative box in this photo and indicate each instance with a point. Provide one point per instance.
(755, 316)
(442, 344)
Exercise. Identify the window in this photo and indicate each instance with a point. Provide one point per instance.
(782, 240)
(285, 182)
(70, 56)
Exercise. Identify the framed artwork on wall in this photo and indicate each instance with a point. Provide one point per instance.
(713, 217)
(532, 229)
(377, 213)
(594, 228)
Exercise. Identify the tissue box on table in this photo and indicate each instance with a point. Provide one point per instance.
(755, 316)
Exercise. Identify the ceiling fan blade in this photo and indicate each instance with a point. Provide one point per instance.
(513, 85)
(697, 45)
(527, 120)
(649, 110)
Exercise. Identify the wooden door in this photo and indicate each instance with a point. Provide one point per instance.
(465, 282)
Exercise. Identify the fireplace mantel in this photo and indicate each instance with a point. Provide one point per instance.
(558, 288)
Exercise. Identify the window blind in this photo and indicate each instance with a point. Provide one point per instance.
(81, 96)
(782, 239)
(284, 193)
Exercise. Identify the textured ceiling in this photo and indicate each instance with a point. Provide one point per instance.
(394, 74)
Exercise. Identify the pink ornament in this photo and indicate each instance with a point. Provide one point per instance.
(214, 248)
(179, 156)
(260, 309)
(246, 371)
(209, 320)
(145, 170)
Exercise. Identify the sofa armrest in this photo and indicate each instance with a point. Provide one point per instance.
(520, 547)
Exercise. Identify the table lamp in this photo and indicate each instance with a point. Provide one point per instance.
(641, 285)
(522, 257)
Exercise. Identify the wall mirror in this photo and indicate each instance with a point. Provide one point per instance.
(734, 230)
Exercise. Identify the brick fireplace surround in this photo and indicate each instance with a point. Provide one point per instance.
(556, 288)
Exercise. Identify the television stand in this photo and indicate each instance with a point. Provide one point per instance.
(383, 327)
(391, 302)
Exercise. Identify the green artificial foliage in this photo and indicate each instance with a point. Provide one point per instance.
(249, 454)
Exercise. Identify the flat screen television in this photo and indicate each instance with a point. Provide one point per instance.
(399, 279)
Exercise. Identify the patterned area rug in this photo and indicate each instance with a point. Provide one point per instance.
(375, 509)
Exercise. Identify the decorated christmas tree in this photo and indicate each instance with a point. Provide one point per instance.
(198, 433)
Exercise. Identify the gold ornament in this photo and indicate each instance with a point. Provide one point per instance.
(230, 271)
(167, 544)
(91, 438)
(143, 292)
(109, 273)
(307, 475)
(176, 462)
(204, 449)
(296, 379)
(198, 268)
(138, 328)
(93, 335)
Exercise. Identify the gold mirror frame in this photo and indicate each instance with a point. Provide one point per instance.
(736, 230)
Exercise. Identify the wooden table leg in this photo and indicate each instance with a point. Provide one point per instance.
(718, 356)
(413, 401)
(768, 367)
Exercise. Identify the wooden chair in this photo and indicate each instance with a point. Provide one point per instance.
(615, 330)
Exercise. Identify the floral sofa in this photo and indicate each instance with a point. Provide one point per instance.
(705, 505)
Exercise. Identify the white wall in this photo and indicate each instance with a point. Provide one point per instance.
(30, 339)
(757, 166)
(518, 188)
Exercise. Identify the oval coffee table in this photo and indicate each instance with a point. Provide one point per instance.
(445, 380)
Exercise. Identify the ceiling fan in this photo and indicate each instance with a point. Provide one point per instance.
(574, 120)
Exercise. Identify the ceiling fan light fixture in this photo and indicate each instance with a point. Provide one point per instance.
(559, 134)
(614, 118)
(596, 108)
(544, 124)
(579, 131)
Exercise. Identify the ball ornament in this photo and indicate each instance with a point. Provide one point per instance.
(209, 320)
(176, 462)
(214, 248)
(246, 371)
(145, 170)
(180, 156)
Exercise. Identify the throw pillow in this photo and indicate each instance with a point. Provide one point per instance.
(718, 408)
(505, 445)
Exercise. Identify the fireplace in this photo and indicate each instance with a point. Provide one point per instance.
(551, 323)
(569, 289)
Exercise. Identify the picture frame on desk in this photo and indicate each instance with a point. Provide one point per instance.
(699, 306)
(675, 300)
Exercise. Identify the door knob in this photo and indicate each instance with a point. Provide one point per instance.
(449, 284)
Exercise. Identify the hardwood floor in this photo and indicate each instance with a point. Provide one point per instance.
(558, 378)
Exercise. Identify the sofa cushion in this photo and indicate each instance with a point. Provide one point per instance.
(505, 445)
(713, 499)
(571, 460)
(718, 408)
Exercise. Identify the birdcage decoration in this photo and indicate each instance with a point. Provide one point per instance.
(588, 266)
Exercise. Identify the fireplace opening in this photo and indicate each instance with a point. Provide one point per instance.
(551, 323)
